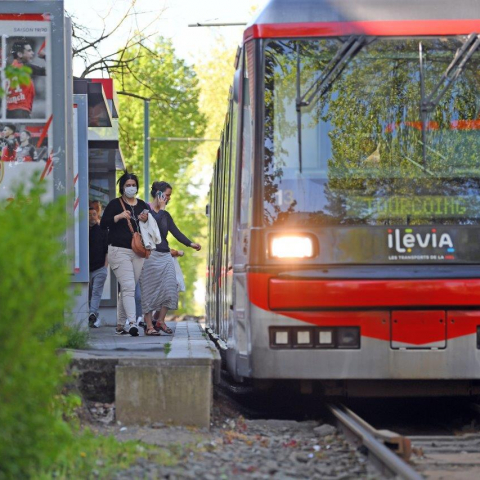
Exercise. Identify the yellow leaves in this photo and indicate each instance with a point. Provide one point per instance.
(230, 436)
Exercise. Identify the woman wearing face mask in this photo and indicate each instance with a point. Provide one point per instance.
(126, 264)
(158, 282)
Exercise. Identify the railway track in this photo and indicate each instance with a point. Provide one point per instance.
(454, 454)
(447, 456)
(437, 439)
(385, 450)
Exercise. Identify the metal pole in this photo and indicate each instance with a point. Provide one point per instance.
(146, 148)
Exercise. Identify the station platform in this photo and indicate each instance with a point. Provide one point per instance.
(166, 379)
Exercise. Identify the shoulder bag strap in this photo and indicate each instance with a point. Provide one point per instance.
(128, 220)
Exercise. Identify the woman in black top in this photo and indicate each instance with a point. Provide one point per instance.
(126, 264)
(158, 282)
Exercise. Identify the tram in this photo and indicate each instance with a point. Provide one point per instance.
(344, 210)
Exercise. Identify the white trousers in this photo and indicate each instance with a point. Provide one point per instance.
(127, 266)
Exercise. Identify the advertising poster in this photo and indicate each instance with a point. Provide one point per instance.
(26, 108)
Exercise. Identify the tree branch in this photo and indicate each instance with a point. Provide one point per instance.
(134, 95)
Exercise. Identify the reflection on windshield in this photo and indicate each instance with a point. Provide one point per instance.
(362, 146)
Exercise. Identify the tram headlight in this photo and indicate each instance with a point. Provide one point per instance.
(303, 337)
(348, 337)
(315, 337)
(280, 337)
(325, 337)
(291, 246)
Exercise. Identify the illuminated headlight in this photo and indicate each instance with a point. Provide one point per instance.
(291, 246)
(348, 337)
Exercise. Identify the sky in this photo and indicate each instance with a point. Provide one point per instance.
(174, 17)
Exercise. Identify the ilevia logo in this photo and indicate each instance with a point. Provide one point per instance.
(405, 241)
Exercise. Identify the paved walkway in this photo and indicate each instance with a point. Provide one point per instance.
(105, 340)
(189, 341)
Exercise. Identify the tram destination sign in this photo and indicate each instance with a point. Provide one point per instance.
(414, 207)
(401, 244)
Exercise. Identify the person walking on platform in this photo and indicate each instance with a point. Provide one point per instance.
(98, 248)
(125, 263)
(158, 283)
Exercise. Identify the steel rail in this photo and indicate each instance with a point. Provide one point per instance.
(384, 459)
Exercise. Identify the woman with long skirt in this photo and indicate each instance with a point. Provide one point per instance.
(158, 282)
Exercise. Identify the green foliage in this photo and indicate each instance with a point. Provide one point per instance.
(75, 337)
(173, 89)
(93, 456)
(16, 76)
(33, 298)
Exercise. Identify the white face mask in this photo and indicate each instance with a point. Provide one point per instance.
(130, 192)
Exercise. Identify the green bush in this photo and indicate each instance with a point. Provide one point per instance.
(100, 456)
(33, 297)
(75, 337)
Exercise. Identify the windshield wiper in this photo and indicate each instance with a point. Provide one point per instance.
(451, 74)
(346, 52)
(453, 71)
(321, 85)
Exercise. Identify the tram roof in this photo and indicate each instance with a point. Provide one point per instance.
(312, 18)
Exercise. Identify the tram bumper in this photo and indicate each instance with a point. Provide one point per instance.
(381, 355)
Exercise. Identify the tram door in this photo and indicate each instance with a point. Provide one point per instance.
(218, 234)
(221, 226)
(230, 175)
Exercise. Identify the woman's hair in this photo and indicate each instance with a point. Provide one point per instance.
(159, 187)
(123, 180)
(97, 206)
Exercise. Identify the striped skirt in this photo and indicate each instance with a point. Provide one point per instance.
(158, 283)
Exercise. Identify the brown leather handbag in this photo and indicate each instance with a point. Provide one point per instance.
(137, 242)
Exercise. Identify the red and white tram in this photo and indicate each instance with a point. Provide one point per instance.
(345, 203)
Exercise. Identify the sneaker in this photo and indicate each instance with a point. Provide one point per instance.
(132, 329)
(92, 321)
(120, 331)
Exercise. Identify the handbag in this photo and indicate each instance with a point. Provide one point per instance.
(137, 242)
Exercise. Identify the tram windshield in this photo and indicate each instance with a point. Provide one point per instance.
(368, 148)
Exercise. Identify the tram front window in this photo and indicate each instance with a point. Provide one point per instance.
(360, 153)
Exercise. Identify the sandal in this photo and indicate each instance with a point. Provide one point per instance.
(151, 332)
(163, 328)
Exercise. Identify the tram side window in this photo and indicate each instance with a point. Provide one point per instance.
(247, 151)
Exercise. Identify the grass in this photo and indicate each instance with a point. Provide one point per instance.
(75, 337)
(167, 348)
(91, 456)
